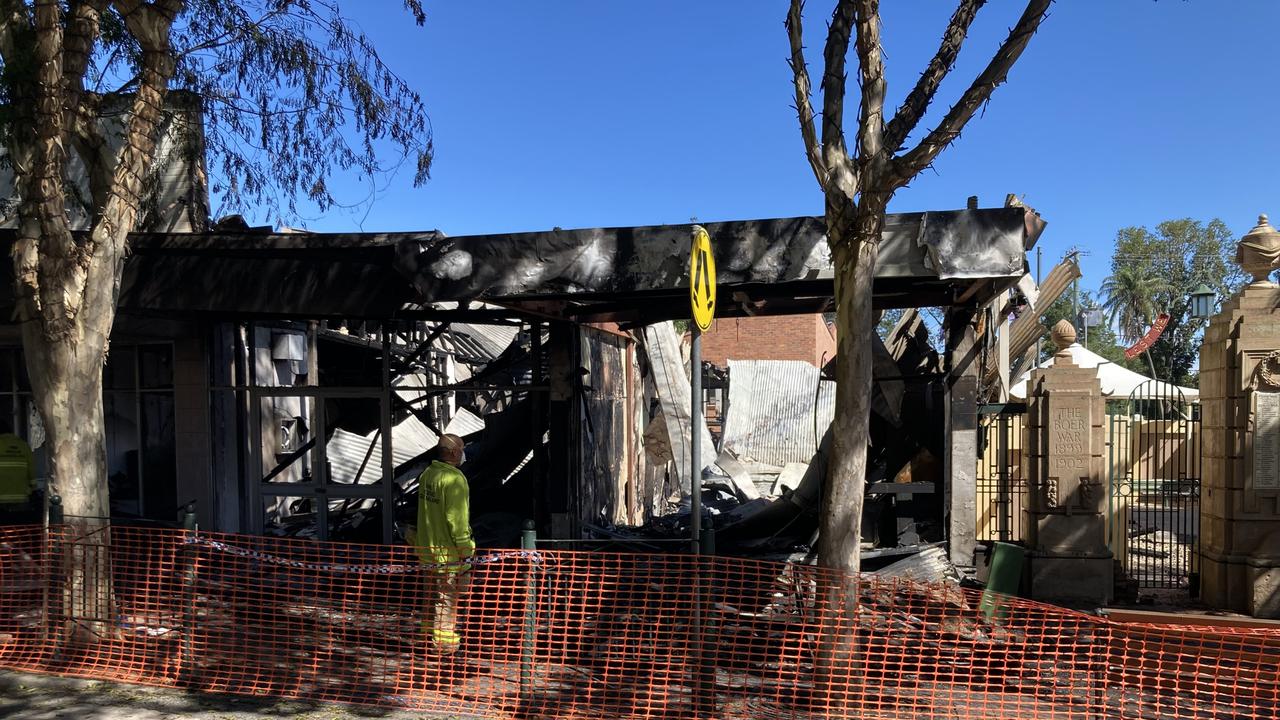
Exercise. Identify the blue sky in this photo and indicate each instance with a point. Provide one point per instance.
(577, 114)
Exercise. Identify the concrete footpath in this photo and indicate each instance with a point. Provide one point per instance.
(25, 696)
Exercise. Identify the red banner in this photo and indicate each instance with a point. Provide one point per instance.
(1149, 339)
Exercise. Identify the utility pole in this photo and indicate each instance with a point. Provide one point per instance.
(1039, 340)
(1074, 254)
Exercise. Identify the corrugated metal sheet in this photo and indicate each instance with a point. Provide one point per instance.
(486, 341)
(771, 415)
(346, 451)
(464, 423)
(671, 383)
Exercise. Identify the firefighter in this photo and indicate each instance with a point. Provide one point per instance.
(17, 478)
(444, 541)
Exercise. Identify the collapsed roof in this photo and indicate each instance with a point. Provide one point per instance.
(630, 274)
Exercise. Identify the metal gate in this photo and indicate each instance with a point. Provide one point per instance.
(1153, 527)
(1001, 487)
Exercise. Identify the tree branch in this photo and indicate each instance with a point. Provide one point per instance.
(60, 272)
(866, 15)
(803, 88)
(14, 15)
(911, 163)
(835, 153)
(82, 110)
(83, 23)
(91, 146)
(918, 100)
(150, 23)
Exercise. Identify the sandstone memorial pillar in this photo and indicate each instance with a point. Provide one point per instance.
(1240, 406)
(1066, 529)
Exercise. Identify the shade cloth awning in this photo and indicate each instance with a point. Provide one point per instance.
(1117, 382)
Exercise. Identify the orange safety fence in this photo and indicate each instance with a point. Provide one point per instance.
(553, 634)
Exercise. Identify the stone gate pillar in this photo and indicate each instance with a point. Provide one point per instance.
(1066, 529)
(1240, 406)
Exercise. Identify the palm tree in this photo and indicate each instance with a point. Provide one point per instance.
(1132, 303)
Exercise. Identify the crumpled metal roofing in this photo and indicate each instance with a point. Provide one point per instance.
(483, 341)
(346, 451)
(230, 274)
(464, 423)
(772, 407)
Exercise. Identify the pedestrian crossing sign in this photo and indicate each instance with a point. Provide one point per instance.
(702, 279)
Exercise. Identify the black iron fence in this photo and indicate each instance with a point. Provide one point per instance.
(1001, 486)
(1154, 459)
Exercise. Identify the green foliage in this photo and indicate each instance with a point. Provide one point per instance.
(889, 319)
(292, 93)
(1155, 271)
(1131, 304)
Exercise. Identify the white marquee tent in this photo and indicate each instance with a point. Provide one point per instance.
(1117, 382)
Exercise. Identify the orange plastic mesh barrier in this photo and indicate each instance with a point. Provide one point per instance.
(599, 635)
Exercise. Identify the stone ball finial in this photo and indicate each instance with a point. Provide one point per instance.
(1063, 334)
(1259, 250)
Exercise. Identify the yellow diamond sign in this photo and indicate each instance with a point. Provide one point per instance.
(702, 279)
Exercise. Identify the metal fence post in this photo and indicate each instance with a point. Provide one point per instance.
(529, 542)
(707, 539)
(55, 510)
(704, 665)
(189, 516)
(189, 554)
(52, 528)
(1005, 502)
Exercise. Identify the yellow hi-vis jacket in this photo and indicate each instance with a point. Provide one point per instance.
(17, 470)
(444, 517)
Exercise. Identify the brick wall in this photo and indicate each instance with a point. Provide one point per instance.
(774, 337)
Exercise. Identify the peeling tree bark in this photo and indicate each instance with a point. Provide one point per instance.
(67, 286)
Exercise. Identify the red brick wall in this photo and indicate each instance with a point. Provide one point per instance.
(773, 337)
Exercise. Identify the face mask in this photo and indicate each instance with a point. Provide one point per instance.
(462, 459)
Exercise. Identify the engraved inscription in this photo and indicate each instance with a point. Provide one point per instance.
(1266, 441)
(1069, 452)
(1068, 428)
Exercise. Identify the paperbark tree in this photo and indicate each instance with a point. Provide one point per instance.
(291, 93)
(857, 187)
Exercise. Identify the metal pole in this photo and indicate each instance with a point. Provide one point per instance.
(538, 402)
(703, 680)
(1039, 341)
(1075, 303)
(1003, 453)
(52, 528)
(695, 440)
(529, 541)
(191, 525)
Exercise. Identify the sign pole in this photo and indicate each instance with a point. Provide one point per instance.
(695, 441)
(702, 302)
(702, 306)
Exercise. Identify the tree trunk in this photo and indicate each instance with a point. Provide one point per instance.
(854, 235)
(66, 380)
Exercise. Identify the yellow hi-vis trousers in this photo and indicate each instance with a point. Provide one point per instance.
(444, 587)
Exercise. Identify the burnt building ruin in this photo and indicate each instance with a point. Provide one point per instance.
(296, 382)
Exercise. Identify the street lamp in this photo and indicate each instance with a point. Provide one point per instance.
(1202, 302)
